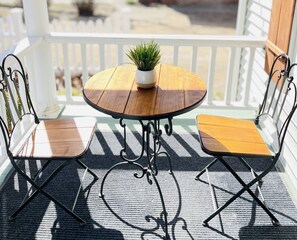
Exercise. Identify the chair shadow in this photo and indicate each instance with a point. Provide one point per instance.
(267, 232)
(29, 219)
(193, 162)
(87, 232)
(246, 232)
(28, 222)
(158, 220)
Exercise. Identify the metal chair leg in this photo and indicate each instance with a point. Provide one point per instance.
(204, 169)
(39, 189)
(264, 207)
(87, 168)
(246, 187)
(245, 163)
(23, 205)
(75, 216)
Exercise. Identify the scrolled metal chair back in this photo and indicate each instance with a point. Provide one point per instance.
(3, 125)
(292, 104)
(15, 94)
(5, 132)
(279, 103)
(16, 85)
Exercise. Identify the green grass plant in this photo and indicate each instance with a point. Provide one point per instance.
(145, 55)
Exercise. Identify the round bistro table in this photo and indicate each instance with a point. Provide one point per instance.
(114, 92)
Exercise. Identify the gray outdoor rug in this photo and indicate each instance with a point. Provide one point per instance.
(132, 209)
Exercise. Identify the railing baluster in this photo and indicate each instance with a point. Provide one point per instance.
(85, 74)
(99, 26)
(175, 55)
(108, 50)
(55, 47)
(67, 75)
(22, 86)
(2, 108)
(235, 73)
(91, 48)
(283, 94)
(249, 75)
(73, 58)
(102, 56)
(120, 54)
(108, 25)
(3, 154)
(11, 99)
(194, 59)
(228, 88)
(211, 70)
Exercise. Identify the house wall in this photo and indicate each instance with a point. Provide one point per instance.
(256, 17)
(256, 23)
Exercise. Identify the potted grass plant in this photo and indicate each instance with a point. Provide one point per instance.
(145, 56)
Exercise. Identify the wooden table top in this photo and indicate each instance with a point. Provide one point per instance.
(113, 91)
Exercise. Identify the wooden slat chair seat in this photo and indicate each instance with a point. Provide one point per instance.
(230, 137)
(28, 138)
(223, 137)
(59, 138)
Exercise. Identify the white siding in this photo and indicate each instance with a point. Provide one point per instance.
(257, 24)
(289, 159)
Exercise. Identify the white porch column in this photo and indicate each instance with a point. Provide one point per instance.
(240, 23)
(37, 24)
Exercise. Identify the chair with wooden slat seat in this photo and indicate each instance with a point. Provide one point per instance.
(28, 138)
(263, 138)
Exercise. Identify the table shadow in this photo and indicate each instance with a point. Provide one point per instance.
(158, 220)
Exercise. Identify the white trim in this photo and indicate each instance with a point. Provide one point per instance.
(175, 40)
(241, 17)
(293, 45)
(5, 168)
(285, 172)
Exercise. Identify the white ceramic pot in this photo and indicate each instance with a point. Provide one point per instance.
(145, 79)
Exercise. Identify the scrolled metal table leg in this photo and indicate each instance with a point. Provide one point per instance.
(163, 206)
(144, 170)
(153, 128)
(126, 159)
(150, 129)
(168, 129)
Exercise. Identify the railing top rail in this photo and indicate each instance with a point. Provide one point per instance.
(172, 40)
(22, 47)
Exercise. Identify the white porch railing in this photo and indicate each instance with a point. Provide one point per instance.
(215, 58)
(99, 51)
(11, 28)
(205, 55)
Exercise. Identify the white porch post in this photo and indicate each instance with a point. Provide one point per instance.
(240, 23)
(44, 89)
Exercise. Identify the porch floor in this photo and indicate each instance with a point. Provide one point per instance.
(131, 207)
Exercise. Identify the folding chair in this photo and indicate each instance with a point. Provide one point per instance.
(28, 138)
(223, 137)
